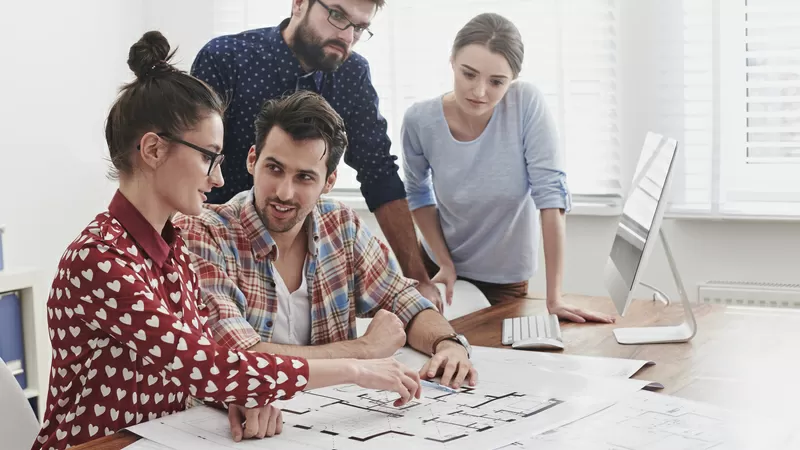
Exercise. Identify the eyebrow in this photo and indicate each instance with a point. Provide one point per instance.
(347, 14)
(280, 164)
(478, 71)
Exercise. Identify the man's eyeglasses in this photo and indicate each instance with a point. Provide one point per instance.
(340, 21)
(214, 158)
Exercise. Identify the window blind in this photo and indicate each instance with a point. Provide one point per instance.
(740, 109)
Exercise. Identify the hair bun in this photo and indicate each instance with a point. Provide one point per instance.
(150, 55)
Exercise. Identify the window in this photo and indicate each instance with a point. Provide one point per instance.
(740, 109)
(570, 54)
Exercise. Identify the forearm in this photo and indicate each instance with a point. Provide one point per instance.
(355, 349)
(427, 220)
(553, 235)
(425, 328)
(322, 373)
(396, 224)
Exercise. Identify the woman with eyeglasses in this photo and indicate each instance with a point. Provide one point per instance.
(479, 162)
(127, 329)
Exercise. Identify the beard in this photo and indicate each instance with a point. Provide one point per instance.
(310, 49)
(282, 225)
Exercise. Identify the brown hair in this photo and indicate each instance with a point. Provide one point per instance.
(304, 115)
(495, 32)
(161, 99)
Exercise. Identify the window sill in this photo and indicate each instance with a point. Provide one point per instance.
(581, 205)
(729, 217)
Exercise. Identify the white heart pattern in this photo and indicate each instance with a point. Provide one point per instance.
(105, 266)
(281, 377)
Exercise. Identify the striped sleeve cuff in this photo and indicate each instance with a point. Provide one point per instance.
(235, 333)
(408, 304)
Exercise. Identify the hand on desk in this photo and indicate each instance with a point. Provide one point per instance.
(573, 313)
(452, 363)
(246, 423)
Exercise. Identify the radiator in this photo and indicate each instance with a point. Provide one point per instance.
(771, 295)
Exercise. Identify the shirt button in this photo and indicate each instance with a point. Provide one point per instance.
(269, 324)
(272, 283)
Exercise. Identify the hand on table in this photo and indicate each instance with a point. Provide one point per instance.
(574, 314)
(452, 362)
(247, 423)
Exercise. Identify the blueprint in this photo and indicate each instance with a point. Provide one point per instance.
(351, 417)
(650, 421)
(547, 374)
(557, 362)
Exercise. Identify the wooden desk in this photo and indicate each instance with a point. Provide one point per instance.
(741, 357)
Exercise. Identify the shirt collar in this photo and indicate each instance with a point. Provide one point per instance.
(157, 246)
(261, 241)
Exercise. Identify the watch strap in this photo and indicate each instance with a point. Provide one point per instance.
(451, 337)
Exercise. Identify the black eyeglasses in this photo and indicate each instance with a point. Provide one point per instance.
(214, 158)
(340, 21)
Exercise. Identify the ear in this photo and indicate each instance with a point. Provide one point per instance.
(152, 150)
(330, 182)
(251, 160)
(297, 7)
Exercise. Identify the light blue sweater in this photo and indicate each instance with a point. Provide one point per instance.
(487, 190)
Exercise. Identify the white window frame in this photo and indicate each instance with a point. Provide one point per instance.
(745, 187)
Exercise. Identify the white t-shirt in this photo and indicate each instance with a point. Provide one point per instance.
(293, 318)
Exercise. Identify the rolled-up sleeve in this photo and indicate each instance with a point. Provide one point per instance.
(369, 149)
(416, 168)
(548, 181)
(226, 303)
(380, 283)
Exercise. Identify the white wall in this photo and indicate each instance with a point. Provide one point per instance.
(63, 63)
(62, 66)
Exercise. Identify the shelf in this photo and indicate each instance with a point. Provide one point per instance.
(16, 279)
(31, 393)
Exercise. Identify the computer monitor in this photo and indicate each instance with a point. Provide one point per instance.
(638, 231)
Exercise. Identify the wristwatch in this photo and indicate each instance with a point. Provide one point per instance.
(460, 338)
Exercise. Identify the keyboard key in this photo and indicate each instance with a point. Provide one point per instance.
(519, 328)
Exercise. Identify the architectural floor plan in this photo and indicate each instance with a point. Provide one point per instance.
(350, 417)
(650, 421)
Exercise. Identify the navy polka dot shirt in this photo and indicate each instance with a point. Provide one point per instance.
(253, 66)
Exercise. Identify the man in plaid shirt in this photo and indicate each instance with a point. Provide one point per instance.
(284, 271)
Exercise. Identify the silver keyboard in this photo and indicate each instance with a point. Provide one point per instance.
(518, 328)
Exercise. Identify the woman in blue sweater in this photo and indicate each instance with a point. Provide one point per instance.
(479, 161)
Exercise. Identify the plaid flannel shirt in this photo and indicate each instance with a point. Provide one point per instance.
(349, 272)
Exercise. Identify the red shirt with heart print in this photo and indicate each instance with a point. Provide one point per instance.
(129, 341)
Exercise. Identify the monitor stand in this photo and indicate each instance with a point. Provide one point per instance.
(663, 334)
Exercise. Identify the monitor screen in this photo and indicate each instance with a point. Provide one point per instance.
(639, 212)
